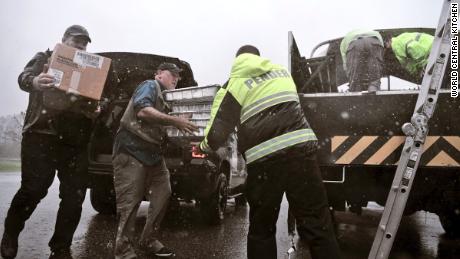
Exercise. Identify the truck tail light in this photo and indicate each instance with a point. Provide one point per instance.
(196, 152)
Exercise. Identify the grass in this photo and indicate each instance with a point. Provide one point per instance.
(10, 166)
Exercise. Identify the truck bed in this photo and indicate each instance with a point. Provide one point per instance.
(366, 129)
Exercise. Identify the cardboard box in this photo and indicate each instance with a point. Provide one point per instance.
(79, 72)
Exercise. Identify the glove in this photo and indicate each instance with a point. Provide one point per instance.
(343, 89)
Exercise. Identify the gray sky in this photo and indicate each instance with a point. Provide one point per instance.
(205, 33)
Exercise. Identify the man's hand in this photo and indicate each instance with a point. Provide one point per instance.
(422, 73)
(43, 81)
(92, 114)
(152, 115)
(185, 125)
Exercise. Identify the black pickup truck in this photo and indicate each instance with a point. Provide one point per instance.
(209, 181)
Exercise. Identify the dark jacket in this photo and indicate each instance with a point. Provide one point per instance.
(73, 128)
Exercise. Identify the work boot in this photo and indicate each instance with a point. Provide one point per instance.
(62, 253)
(372, 89)
(157, 249)
(355, 208)
(165, 252)
(374, 86)
(124, 249)
(9, 247)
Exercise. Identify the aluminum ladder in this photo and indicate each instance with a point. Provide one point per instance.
(416, 132)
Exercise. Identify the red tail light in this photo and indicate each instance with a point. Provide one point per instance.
(196, 153)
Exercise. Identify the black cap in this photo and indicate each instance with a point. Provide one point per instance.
(175, 70)
(77, 30)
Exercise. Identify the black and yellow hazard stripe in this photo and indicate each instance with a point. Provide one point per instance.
(386, 150)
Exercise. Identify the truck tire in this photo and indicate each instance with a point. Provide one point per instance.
(213, 207)
(450, 221)
(103, 199)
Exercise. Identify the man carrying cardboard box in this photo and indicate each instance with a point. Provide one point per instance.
(52, 140)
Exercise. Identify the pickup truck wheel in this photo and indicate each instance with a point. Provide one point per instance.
(213, 208)
(103, 199)
(450, 221)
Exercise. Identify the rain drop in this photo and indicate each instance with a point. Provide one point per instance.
(345, 115)
(312, 105)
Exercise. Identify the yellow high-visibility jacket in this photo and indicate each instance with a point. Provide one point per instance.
(260, 99)
(412, 50)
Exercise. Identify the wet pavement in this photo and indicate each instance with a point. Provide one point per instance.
(420, 235)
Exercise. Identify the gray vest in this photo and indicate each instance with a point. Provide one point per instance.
(151, 132)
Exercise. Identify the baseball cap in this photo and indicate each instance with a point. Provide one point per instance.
(77, 30)
(173, 68)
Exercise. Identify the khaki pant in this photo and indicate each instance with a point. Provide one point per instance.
(133, 181)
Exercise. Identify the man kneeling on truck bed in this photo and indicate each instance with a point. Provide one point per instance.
(261, 100)
(139, 167)
(362, 56)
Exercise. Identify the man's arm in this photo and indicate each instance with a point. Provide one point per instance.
(34, 76)
(144, 99)
(225, 116)
(152, 115)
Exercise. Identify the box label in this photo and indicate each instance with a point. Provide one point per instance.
(57, 74)
(87, 60)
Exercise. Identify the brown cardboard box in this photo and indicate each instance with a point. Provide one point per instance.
(79, 72)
